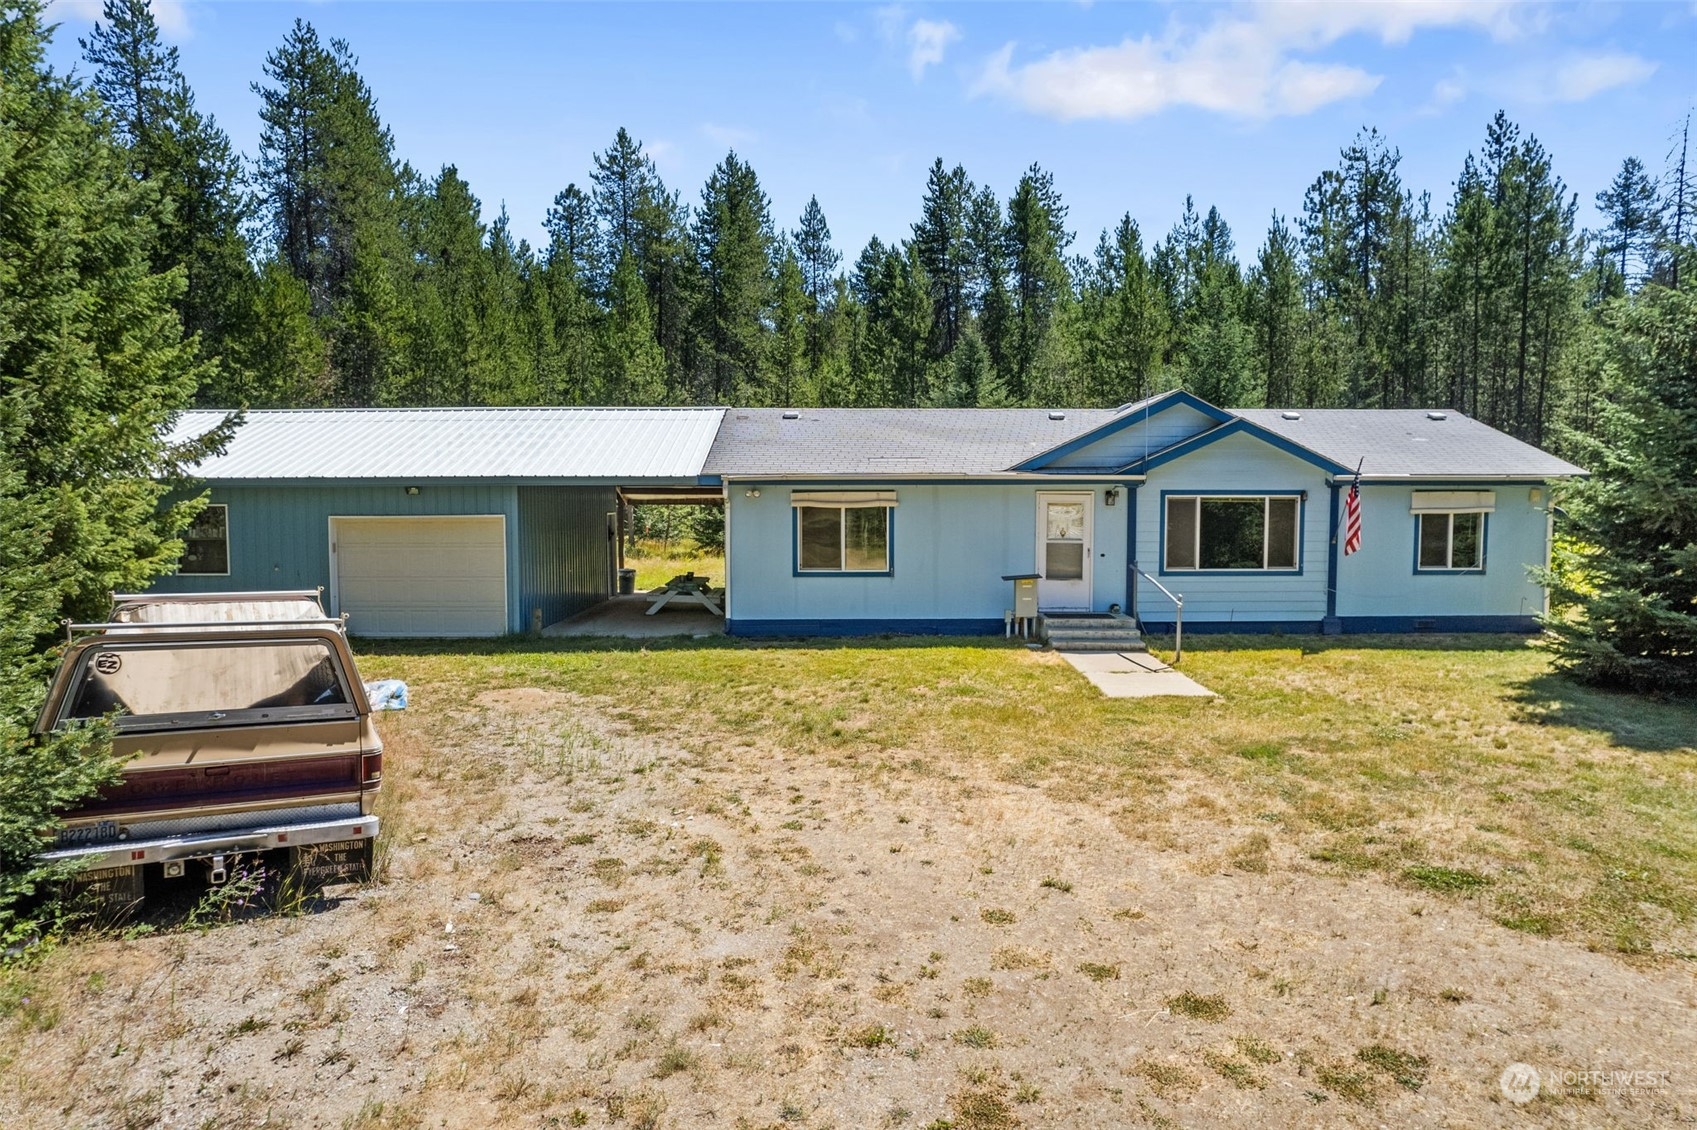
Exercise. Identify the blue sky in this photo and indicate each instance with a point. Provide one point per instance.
(1130, 106)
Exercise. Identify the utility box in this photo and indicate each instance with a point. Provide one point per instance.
(1024, 611)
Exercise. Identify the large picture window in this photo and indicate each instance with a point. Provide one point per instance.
(1452, 541)
(842, 539)
(1231, 532)
(206, 544)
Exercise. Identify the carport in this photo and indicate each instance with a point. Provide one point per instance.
(427, 522)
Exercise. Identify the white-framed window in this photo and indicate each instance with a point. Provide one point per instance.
(1450, 541)
(1238, 532)
(206, 544)
(842, 538)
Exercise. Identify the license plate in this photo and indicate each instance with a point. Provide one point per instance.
(109, 888)
(320, 864)
(97, 833)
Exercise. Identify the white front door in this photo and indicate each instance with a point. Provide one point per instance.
(1063, 551)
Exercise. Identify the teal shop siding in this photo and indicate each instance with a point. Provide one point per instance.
(1236, 464)
(565, 557)
(1379, 579)
(1159, 431)
(952, 545)
(280, 535)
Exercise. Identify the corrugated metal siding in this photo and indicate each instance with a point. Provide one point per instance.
(280, 536)
(617, 444)
(565, 559)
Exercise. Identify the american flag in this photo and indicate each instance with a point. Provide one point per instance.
(1352, 516)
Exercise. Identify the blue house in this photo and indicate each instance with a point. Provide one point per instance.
(857, 521)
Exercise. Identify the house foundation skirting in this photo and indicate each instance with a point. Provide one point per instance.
(1350, 625)
(867, 627)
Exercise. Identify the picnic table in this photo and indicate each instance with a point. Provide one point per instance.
(685, 588)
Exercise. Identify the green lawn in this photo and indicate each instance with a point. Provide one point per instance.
(1453, 764)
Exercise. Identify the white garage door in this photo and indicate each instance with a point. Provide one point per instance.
(438, 576)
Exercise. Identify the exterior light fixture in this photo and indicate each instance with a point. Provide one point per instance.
(751, 493)
(1112, 496)
(412, 490)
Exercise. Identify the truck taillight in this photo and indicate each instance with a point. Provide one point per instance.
(371, 768)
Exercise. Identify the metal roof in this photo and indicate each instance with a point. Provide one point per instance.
(677, 446)
(616, 445)
(1410, 442)
(890, 441)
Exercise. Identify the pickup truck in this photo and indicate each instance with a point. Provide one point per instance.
(243, 729)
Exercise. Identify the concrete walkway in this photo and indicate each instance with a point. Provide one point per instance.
(627, 617)
(1132, 674)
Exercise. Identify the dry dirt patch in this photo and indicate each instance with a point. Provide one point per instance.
(583, 926)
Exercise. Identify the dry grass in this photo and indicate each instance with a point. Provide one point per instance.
(656, 563)
(1459, 766)
(1103, 912)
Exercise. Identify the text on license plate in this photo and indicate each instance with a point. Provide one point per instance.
(98, 832)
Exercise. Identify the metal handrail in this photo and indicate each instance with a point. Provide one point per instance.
(1178, 621)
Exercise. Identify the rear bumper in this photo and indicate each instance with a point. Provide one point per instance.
(132, 853)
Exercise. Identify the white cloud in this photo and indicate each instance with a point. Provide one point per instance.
(172, 16)
(1587, 76)
(927, 41)
(1573, 78)
(1245, 62)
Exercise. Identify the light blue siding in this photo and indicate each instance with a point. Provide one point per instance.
(1235, 465)
(1379, 580)
(951, 545)
(565, 555)
(280, 535)
(1134, 441)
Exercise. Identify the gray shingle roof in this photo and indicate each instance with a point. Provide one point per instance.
(1408, 442)
(889, 441)
(622, 444)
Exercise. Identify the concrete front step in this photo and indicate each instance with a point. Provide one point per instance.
(1092, 633)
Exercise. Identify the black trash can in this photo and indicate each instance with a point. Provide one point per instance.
(627, 582)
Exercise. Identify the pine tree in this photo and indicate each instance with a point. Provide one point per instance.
(1633, 213)
(1679, 221)
(93, 369)
(1124, 320)
(1217, 339)
(633, 368)
(1276, 316)
(1635, 585)
(793, 317)
(940, 238)
(570, 225)
(733, 245)
(332, 198)
(1037, 240)
(815, 253)
(188, 159)
(987, 237)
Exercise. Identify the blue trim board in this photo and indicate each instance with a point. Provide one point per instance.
(889, 548)
(1301, 497)
(1237, 426)
(1433, 571)
(1351, 625)
(1130, 605)
(1332, 558)
(870, 627)
(1156, 406)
